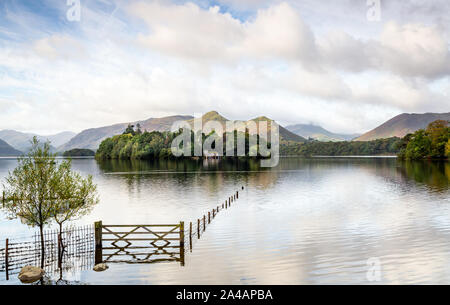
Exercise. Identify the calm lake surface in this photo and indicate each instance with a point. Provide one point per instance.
(307, 221)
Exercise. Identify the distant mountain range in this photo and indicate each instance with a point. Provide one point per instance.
(21, 141)
(14, 142)
(403, 124)
(7, 150)
(285, 134)
(319, 133)
(91, 138)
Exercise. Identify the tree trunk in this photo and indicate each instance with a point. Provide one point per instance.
(60, 247)
(41, 229)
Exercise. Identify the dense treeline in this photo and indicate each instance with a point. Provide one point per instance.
(79, 152)
(430, 143)
(389, 146)
(135, 144)
(146, 145)
(434, 142)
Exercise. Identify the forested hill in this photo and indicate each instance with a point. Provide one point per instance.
(389, 146)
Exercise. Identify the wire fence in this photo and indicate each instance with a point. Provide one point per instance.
(2, 259)
(75, 246)
(194, 230)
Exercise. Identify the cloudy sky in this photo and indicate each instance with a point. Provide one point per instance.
(323, 62)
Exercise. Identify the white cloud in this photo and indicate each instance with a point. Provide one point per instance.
(188, 31)
(405, 94)
(410, 50)
(152, 59)
(414, 50)
(342, 51)
(278, 32)
(58, 46)
(248, 4)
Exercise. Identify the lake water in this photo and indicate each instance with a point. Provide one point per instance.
(307, 221)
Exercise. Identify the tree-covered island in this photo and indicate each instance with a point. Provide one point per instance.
(432, 143)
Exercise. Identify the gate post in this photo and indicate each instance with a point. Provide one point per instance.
(182, 243)
(190, 236)
(98, 242)
(6, 259)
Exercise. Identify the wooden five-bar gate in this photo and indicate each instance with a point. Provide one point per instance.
(136, 244)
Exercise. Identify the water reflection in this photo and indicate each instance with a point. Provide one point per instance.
(48, 281)
(307, 221)
(180, 166)
(435, 175)
(141, 244)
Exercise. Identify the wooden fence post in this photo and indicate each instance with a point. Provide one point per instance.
(209, 217)
(204, 223)
(98, 242)
(237, 194)
(182, 243)
(198, 228)
(190, 236)
(6, 260)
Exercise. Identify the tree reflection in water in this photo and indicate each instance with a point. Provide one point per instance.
(434, 174)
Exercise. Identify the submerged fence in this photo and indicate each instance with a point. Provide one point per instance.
(197, 228)
(75, 246)
(139, 244)
(82, 247)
